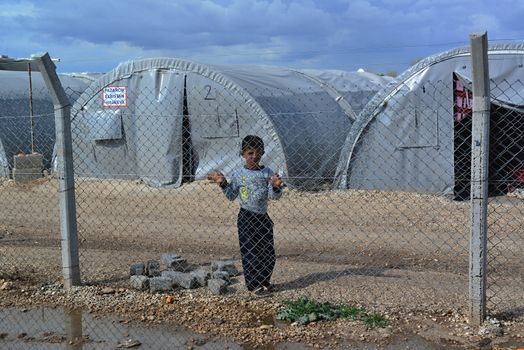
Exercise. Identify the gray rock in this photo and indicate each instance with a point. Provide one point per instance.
(139, 282)
(152, 268)
(221, 275)
(494, 330)
(174, 262)
(181, 279)
(225, 265)
(160, 284)
(201, 276)
(217, 286)
(137, 269)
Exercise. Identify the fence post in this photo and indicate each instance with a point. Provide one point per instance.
(479, 178)
(64, 153)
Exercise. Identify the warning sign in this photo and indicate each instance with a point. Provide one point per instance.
(114, 96)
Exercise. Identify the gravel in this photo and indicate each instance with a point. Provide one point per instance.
(249, 320)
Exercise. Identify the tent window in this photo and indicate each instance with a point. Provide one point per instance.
(106, 125)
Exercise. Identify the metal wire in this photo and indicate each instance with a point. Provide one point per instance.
(396, 237)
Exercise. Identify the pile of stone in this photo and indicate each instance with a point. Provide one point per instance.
(173, 271)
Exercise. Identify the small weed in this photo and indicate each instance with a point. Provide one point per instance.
(374, 320)
(303, 311)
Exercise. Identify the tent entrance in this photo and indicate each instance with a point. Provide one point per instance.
(189, 162)
(506, 154)
(462, 128)
(462, 156)
(506, 149)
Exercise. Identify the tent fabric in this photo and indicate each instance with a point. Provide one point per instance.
(15, 125)
(356, 88)
(17, 64)
(301, 123)
(386, 149)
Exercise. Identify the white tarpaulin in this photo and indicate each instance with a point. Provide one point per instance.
(183, 119)
(405, 137)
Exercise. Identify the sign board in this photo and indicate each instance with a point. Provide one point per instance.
(463, 104)
(114, 96)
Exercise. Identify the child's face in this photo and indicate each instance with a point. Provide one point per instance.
(252, 157)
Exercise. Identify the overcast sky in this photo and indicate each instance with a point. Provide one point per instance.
(379, 36)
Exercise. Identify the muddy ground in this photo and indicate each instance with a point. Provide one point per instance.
(404, 255)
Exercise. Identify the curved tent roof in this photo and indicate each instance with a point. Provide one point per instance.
(15, 123)
(183, 119)
(404, 137)
(88, 77)
(357, 88)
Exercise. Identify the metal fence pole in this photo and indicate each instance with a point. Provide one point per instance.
(68, 228)
(31, 114)
(479, 178)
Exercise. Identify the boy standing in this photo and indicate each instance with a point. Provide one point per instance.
(253, 184)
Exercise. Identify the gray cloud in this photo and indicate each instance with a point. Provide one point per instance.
(340, 34)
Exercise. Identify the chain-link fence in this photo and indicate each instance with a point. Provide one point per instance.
(506, 181)
(396, 235)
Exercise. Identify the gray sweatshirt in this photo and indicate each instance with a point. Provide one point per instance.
(253, 189)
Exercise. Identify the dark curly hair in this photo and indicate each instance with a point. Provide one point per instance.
(252, 141)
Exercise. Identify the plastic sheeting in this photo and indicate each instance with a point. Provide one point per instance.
(357, 88)
(403, 139)
(184, 119)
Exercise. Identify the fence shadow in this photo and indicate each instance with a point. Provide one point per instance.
(510, 314)
(307, 280)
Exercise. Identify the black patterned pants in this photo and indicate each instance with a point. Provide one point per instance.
(257, 248)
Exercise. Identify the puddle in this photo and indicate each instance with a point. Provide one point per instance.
(412, 342)
(57, 328)
(514, 344)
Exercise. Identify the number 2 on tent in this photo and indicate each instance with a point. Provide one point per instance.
(208, 94)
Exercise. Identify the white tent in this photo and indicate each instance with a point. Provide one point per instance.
(167, 120)
(16, 124)
(413, 135)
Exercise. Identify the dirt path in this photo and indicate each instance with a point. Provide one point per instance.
(381, 248)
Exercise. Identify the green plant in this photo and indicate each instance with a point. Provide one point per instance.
(374, 320)
(304, 310)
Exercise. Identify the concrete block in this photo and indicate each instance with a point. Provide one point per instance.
(201, 276)
(137, 269)
(181, 279)
(174, 262)
(139, 282)
(225, 265)
(152, 268)
(160, 284)
(25, 175)
(28, 161)
(217, 286)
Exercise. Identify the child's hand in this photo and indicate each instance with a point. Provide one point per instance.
(276, 180)
(216, 176)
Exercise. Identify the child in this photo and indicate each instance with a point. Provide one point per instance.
(254, 184)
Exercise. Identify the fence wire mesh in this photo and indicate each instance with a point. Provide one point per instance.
(395, 236)
(28, 219)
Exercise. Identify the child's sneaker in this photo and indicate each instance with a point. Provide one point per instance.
(269, 287)
(262, 292)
